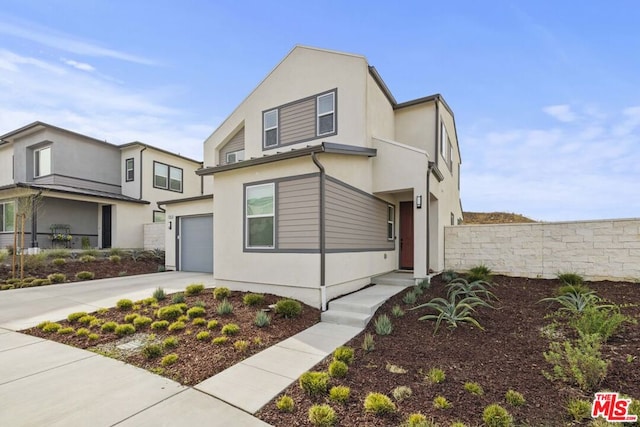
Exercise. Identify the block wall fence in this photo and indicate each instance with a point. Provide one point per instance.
(597, 250)
(154, 236)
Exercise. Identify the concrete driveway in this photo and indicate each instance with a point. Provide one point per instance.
(43, 383)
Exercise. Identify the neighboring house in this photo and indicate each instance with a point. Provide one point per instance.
(86, 190)
(320, 181)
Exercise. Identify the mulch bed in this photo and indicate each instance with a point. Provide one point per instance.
(508, 354)
(197, 360)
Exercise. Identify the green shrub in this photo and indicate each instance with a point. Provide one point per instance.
(66, 331)
(56, 277)
(59, 262)
(474, 388)
(93, 337)
(221, 293)
(441, 402)
(129, 318)
(340, 393)
(95, 322)
(401, 393)
(177, 326)
(85, 275)
(570, 279)
(220, 340)
(58, 253)
(116, 251)
(170, 342)
(169, 359)
(224, 307)
(125, 329)
(212, 324)
(170, 312)
(379, 404)
(115, 259)
(241, 345)
(435, 376)
(409, 298)
(159, 294)
(314, 383)
(86, 320)
(322, 415)
(109, 327)
(479, 272)
(194, 289)
(496, 416)
(397, 311)
(87, 258)
(252, 299)
(368, 343)
(383, 325)
(288, 308)
(73, 317)
(285, 404)
(40, 282)
(602, 321)
(178, 298)
(160, 324)
(151, 351)
(203, 335)
(343, 354)
(83, 332)
(124, 304)
(417, 420)
(230, 329)
(338, 369)
(199, 321)
(194, 312)
(514, 398)
(262, 319)
(449, 275)
(579, 409)
(142, 321)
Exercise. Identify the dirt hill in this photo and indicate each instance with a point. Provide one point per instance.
(493, 218)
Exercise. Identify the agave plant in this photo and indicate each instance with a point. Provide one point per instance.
(477, 288)
(453, 310)
(577, 301)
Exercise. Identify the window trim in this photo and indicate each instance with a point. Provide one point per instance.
(276, 128)
(168, 177)
(3, 228)
(391, 213)
(247, 217)
(36, 161)
(127, 169)
(171, 169)
(332, 94)
(236, 152)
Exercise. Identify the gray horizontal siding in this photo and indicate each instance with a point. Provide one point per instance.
(236, 143)
(354, 220)
(298, 205)
(70, 181)
(298, 121)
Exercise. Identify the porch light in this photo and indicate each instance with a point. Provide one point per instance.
(419, 202)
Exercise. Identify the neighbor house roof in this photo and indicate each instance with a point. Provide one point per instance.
(75, 190)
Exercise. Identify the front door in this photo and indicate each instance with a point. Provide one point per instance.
(106, 226)
(406, 235)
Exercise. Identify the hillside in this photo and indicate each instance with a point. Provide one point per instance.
(493, 218)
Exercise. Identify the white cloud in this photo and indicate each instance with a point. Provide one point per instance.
(562, 113)
(79, 65)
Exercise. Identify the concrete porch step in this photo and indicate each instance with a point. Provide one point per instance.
(395, 279)
(346, 318)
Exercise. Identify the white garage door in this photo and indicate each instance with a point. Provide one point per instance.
(196, 243)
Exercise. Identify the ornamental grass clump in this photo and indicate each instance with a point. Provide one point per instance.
(169, 359)
(338, 369)
(57, 277)
(340, 394)
(401, 393)
(474, 388)
(379, 404)
(262, 319)
(124, 329)
(322, 415)
(73, 317)
(314, 383)
(496, 416)
(241, 345)
(579, 409)
(397, 311)
(224, 308)
(514, 398)
(203, 336)
(194, 312)
(368, 343)
(441, 402)
(199, 321)
(221, 293)
(66, 331)
(479, 272)
(160, 325)
(83, 332)
(170, 312)
(409, 298)
(109, 327)
(129, 318)
(383, 325)
(124, 304)
(85, 275)
(417, 420)
(435, 376)
(178, 325)
(285, 404)
(220, 340)
(170, 342)
(344, 354)
(159, 294)
(142, 322)
(194, 289)
(230, 329)
(151, 351)
(212, 324)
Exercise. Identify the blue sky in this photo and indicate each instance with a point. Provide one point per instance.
(546, 94)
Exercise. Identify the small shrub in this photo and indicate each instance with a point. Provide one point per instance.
(124, 304)
(288, 308)
(252, 299)
(368, 343)
(449, 275)
(474, 388)
(379, 404)
(395, 369)
(241, 345)
(514, 398)
(109, 327)
(458, 424)
(194, 312)
(159, 325)
(567, 289)
(322, 415)
(579, 409)
(170, 312)
(343, 354)
(221, 293)
(142, 321)
(87, 258)
(41, 282)
(169, 359)
(95, 322)
(200, 304)
(224, 308)
(401, 393)
(151, 351)
(93, 337)
(73, 317)
(177, 326)
(178, 298)
(496, 416)
(262, 319)
(570, 279)
(212, 324)
(285, 404)
(170, 342)
(199, 321)
(383, 325)
(220, 340)
(417, 420)
(203, 335)
(83, 332)
(230, 329)
(397, 311)
(116, 251)
(435, 376)
(314, 383)
(479, 272)
(115, 259)
(441, 402)
(338, 369)
(129, 318)
(125, 329)
(194, 289)
(409, 298)
(340, 393)
(602, 321)
(159, 294)
(57, 277)
(86, 320)
(85, 275)
(66, 331)
(59, 262)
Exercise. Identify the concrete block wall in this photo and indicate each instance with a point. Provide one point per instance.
(598, 250)
(154, 236)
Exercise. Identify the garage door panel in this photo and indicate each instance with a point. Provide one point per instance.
(196, 243)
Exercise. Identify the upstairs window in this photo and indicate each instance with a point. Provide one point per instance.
(7, 213)
(271, 128)
(326, 114)
(167, 177)
(260, 216)
(175, 179)
(129, 170)
(235, 156)
(42, 162)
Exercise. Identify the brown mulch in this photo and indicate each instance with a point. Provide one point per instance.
(508, 354)
(197, 360)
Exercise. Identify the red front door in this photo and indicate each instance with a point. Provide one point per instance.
(406, 235)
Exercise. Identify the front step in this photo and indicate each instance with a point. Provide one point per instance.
(347, 318)
(394, 279)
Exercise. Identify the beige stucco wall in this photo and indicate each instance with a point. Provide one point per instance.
(173, 212)
(131, 188)
(6, 164)
(415, 126)
(606, 249)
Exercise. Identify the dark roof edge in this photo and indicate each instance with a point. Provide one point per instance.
(56, 190)
(46, 125)
(325, 147)
(382, 85)
(430, 98)
(186, 199)
(162, 150)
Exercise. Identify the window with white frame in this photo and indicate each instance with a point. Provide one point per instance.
(234, 156)
(326, 123)
(270, 128)
(129, 170)
(260, 216)
(390, 222)
(42, 162)
(167, 177)
(7, 212)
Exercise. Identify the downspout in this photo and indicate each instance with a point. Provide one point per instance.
(323, 249)
(437, 126)
(34, 220)
(141, 175)
(428, 206)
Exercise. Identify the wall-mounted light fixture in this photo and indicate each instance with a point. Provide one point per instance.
(419, 202)
(169, 225)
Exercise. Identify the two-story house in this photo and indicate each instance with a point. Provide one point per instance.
(77, 191)
(320, 181)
